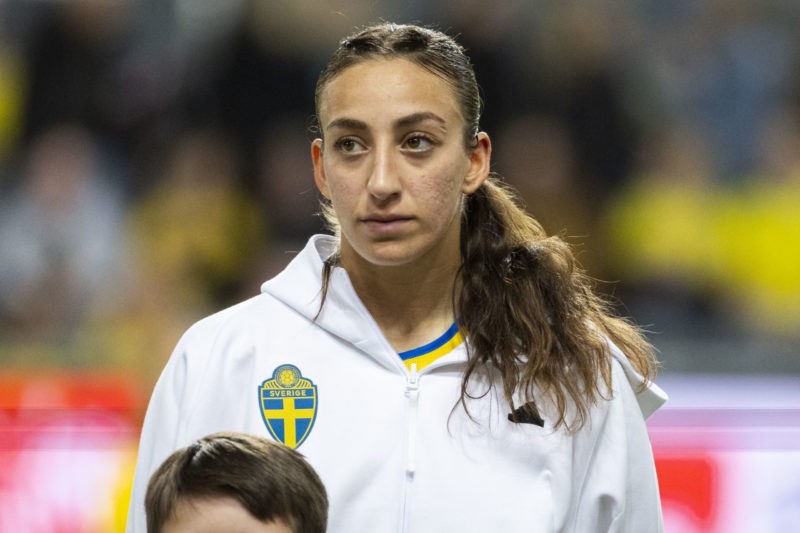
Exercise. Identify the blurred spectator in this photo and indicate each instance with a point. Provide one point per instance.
(257, 86)
(197, 231)
(758, 226)
(659, 235)
(63, 253)
(720, 65)
(286, 195)
(75, 63)
(564, 61)
(264, 66)
(692, 248)
(585, 45)
(194, 238)
(535, 155)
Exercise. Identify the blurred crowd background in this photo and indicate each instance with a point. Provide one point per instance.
(154, 161)
(154, 165)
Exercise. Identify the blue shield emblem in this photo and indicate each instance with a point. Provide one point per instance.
(288, 405)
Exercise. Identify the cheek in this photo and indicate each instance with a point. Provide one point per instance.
(341, 192)
(440, 193)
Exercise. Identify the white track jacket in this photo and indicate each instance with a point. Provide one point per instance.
(394, 450)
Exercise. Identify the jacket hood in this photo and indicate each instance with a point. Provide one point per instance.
(649, 396)
(299, 286)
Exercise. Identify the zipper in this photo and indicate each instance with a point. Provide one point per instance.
(412, 393)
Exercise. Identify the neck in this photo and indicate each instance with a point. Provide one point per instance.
(411, 304)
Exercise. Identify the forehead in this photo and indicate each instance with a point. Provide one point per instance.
(382, 87)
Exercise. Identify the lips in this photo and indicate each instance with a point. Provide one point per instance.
(385, 218)
(383, 223)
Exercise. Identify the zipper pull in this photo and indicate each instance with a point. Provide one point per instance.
(412, 384)
(412, 393)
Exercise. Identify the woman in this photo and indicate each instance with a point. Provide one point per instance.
(442, 362)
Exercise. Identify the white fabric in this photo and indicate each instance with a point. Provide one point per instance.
(486, 474)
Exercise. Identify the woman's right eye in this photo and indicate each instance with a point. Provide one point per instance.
(349, 145)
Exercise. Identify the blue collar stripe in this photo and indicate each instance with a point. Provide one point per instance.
(431, 346)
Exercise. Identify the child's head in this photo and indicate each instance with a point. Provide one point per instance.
(263, 485)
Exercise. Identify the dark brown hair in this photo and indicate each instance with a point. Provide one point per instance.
(528, 309)
(272, 481)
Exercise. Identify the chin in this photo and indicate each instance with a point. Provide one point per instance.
(389, 260)
(389, 254)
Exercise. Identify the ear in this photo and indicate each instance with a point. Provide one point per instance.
(317, 157)
(480, 159)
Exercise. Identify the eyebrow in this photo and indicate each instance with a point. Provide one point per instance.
(347, 123)
(421, 117)
(414, 118)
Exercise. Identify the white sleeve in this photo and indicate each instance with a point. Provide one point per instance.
(615, 478)
(160, 432)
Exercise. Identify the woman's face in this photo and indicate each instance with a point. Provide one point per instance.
(393, 162)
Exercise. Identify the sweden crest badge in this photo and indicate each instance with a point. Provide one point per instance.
(288, 405)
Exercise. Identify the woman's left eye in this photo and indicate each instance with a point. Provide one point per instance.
(418, 143)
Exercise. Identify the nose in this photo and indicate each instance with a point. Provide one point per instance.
(383, 182)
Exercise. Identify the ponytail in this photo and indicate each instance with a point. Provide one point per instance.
(529, 312)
